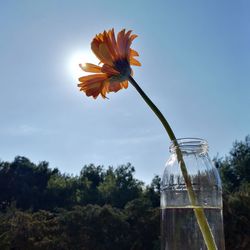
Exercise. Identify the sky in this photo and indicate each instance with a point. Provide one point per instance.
(195, 67)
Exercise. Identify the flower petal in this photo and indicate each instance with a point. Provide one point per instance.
(134, 62)
(111, 47)
(109, 70)
(132, 37)
(92, 77)
(93, 85)
(114, 43)
(89, 67)
(133, 53)
(104, 51)
(105, 88)
(127, 42)
(115, 86)
(125, 84)
(95, 48)
(121, 42)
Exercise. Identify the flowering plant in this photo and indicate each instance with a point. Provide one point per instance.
(116, 58)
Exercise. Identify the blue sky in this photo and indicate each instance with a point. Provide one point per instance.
(195, 66)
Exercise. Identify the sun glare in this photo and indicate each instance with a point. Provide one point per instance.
(80, 57)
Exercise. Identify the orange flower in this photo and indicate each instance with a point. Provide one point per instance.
(116, 56)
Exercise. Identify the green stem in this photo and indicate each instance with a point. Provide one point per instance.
(199, 212)
(154, 109)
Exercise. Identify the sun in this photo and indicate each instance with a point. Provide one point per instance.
(80, 57)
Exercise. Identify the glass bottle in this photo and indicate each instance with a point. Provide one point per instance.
(179, 227)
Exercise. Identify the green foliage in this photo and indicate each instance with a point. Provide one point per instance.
(44, 209)
(235, 174)
(235, 169)
(144, 221)
(24, 230)
(95, 227)
(41, 208)
(24, 183)
(152, 192)
(120, 186)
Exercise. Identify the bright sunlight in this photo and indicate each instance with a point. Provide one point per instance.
(80, 57)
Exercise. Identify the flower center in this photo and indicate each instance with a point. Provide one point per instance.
(123, 67)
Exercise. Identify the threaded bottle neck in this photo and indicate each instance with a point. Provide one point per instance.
(190, 146)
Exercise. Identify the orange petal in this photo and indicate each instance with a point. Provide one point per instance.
(115, 86)
(114, 43)
(105, 89)
(99, 37)
(127, 43)
(84, 87)
(93, 92)
(89, 67)
(121, 42)
(134, 62)
(109, 70)
(133, 53)
(95, 48)
(93, 77)
(125, 84)
(94, 86)
(110, 46)
(104, 51)
(132, 37)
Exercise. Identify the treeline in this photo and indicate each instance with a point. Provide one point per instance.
(41, 208)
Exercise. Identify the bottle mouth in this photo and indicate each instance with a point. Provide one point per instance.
(189, 145)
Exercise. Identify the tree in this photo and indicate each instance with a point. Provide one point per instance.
(95, 227)
(24, 183)
(61, 191)
(91, 177)
(35, 231)
(153, 190)
(144, 224)
(120, 186)
(235, 169)
(235, 174)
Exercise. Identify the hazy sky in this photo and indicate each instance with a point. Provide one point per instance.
(195, 66)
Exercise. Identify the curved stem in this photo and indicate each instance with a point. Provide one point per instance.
(199, 212)
(154, 109)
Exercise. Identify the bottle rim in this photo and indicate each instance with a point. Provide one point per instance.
(189, 145)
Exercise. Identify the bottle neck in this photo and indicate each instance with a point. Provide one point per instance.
(190, 146)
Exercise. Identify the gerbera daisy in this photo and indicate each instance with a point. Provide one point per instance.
(115, 57)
